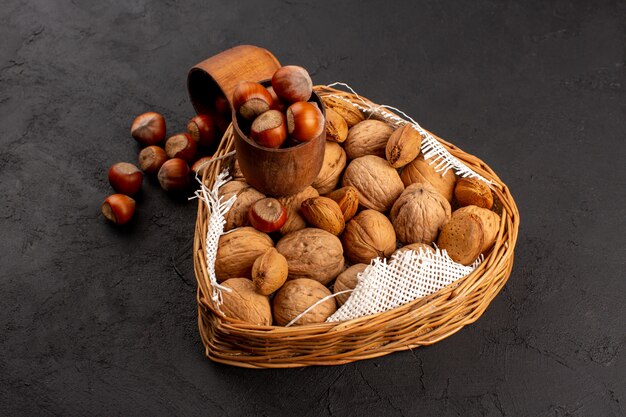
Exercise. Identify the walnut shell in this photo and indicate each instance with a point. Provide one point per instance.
(296, 296)
(403, 146)
(419, 213)
(419, 171)
(323, 213)
(312, 253)
(336, 126)
(377, 183)
(243, 303)
(489, 220)
(415, 247)
(347, 280)
(348, 200)
(368, 235)
(463, 238)
(292, 204)
(237, 251)
(236, 173)
(332, 167)
(368, 137)
(237, 216)
(345, 109)
(473, 192)
(269, 272)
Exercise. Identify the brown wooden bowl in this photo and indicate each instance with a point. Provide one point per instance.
(283, 171)
(217, 76)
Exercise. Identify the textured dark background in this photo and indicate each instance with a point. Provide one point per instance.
(95, 319)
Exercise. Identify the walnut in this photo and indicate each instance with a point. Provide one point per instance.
(368, 137)
(332, 167)
(415, 247)
(296, 296)
(237, 251)
(243, 303)
(377, 183)
(269, 272)
(403, 146)
(336, 126)
(347, 280)
(419, 213)
(312, 253)
(421, 172)
(368, 235)
(237, 216)
(292, 204)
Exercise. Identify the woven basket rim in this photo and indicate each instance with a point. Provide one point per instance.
(459, 304)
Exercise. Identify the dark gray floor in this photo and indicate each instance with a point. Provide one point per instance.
(96, 321)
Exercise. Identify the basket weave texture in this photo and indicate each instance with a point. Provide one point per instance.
(422, 322)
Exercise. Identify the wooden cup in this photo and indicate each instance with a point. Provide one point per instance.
(283, 171)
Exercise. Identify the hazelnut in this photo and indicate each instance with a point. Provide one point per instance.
(174, 175)
(148, 128)
(181, 146)
(202, 130)
(251, 99)
(269, 129)
(292, 83)
(125, 178)
(118, 208)
(304, 121)
(267, 215)
(201, 165)
(151, 159)
(277, 104)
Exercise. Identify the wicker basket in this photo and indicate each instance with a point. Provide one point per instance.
(422, 322)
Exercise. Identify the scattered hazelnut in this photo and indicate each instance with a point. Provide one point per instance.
(201, 165)
(125, 178)
(269, 129)
(251, 99)
(148, 128)
(292, 83)
(151, 159)
(174, 175)
(202, 128)
(118, 208)
(267, 215)
(304, 121)
(181, 146)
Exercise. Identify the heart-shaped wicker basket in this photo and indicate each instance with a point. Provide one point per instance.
(422, 322)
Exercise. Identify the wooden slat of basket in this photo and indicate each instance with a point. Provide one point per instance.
(421, 322)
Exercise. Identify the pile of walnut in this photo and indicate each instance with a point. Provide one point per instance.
(375, 192)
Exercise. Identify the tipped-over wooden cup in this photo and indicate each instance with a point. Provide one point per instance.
(211, 83)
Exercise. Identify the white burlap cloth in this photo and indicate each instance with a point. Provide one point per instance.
(384, 285)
